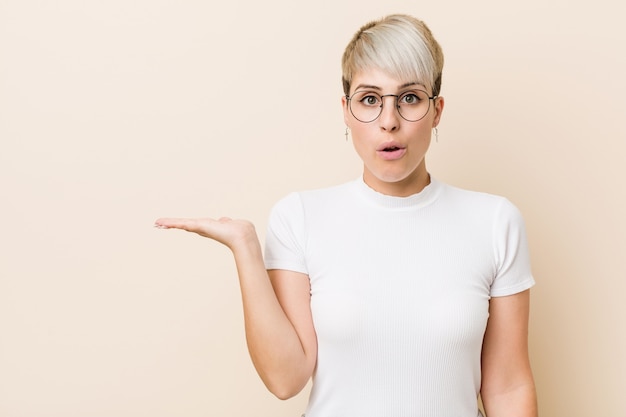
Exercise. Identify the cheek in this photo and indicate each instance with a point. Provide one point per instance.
(423, 131)
(360, 142)
(361, 131)
(361, 138)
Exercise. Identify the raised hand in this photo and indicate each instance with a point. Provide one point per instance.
(225, 230)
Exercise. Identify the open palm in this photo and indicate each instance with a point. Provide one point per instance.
(230, 232)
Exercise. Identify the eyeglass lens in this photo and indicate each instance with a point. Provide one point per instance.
(412, 105)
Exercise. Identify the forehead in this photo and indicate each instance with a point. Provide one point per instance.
(378, 79)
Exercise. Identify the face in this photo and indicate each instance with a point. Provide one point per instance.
(392, 149)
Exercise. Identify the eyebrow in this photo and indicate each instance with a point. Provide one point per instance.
(375, 87)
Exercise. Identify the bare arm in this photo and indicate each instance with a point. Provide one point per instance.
(279, 328)
(508, 389)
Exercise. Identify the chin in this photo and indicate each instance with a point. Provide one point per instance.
(395, 176)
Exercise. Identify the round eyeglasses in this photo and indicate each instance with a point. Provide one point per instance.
(412, 105)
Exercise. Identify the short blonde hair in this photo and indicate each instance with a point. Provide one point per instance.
(400, 45)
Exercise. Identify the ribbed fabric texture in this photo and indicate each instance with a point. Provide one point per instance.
(400, 292)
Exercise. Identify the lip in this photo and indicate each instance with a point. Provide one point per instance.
(391, 155)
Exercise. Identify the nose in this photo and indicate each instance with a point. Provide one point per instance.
(389, 119)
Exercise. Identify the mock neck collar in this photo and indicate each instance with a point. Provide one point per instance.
(421, 199)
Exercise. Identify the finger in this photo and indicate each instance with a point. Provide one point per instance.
(176, 223)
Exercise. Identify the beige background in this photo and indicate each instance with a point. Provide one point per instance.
(114, 113)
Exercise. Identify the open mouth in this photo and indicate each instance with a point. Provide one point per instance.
(390, 151)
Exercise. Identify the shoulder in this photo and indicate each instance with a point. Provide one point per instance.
(294, 215)
(478, 202)
(470, 196)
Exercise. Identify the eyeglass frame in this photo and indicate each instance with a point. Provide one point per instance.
(397, 106)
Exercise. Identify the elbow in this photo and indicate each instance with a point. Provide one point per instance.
(286, 380)
(284, 394)
(286, 389)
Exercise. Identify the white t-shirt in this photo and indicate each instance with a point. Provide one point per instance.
(400, 290)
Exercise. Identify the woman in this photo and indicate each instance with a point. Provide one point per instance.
(399, 295)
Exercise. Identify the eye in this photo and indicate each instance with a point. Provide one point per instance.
(410, 98)
(368, 99)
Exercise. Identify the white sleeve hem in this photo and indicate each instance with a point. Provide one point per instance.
(515, 289)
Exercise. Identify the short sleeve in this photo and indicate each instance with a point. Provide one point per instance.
(513, 272)
(284, 242)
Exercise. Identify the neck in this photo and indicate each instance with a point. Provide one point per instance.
(413, 184)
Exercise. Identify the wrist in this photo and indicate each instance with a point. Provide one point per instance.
(247, 242)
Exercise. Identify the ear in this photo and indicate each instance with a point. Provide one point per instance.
(439, 104)
(346, 111)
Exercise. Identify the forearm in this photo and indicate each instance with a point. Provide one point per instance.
(274, 345)
(520, 401)
(508, 388)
